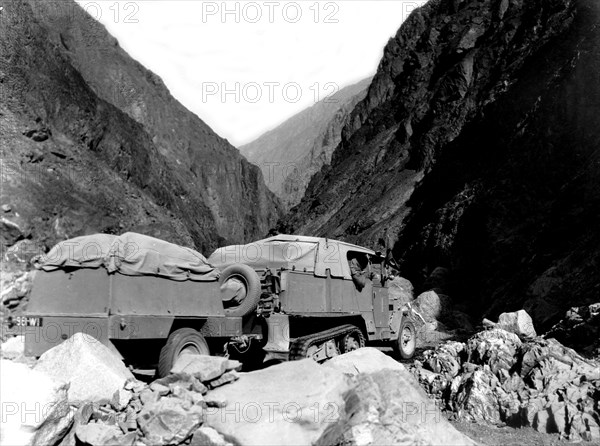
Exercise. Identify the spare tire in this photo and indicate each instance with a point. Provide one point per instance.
(240, 289)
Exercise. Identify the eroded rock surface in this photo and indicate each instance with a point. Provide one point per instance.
(496, 378)
(91, 141)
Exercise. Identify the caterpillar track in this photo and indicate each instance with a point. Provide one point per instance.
(300, 346)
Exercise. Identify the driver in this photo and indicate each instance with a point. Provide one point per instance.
(357, 270)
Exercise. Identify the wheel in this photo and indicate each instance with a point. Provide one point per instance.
(352, 341)
(184, 340)
(407, 340)
(240, 289)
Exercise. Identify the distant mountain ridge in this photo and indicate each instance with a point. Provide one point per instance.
(143, 161)
(294, 151)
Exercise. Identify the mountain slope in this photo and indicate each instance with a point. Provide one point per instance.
(477, 147)
(131, 157)
(293, 152)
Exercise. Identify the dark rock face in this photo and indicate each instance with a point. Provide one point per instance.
(477, 144)
(292, 153)
(93, 142)
(580, 329)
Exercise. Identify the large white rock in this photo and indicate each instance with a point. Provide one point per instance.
(207, 436)
(363, 360)
(203, 367)
(519, 323)
(93, 371)
(13, 347)
(301, 402)
(28, 399)
(97, 434)
(432, 306)
(387, 405)
(288, 404)
(169, 420)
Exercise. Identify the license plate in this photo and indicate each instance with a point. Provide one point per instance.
(24, 321)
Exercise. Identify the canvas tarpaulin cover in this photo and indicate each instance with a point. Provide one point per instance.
(268, 253)
(130, 254)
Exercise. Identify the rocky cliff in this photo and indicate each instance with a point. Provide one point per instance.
(293, 152)
(93, 142)
(477, 147)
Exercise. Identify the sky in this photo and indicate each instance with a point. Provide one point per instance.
(244, 67)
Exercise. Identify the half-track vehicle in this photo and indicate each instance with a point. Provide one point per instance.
(150, 301)
(311, 301)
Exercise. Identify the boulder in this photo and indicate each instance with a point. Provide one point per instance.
(164, 386)
(432, 306)
(447, 359)
(227, 377)
(15, 287)
(495, 348)
(92, 370)
(168, 421)
(207, 436)
(389, 407)
(433, 383)
(363, 360)
(121, 399)
(32, 404)
(476, 396)
(39, 134)
(159, 389)
(56, 425)
(213, 400)
(148, 396)
(400, 289)
(12, 230)
(13, 348)
(98, 434)
(135, 386)
(203, 367)
(519, 323)
(289, 403)
(545, 359)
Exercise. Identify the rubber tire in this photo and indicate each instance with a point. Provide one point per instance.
(361, 340)
(175, 344)
(399, 347)
(253, 289)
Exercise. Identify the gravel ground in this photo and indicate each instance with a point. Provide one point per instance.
(510, 436)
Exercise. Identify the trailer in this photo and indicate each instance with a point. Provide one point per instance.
(133, 293)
